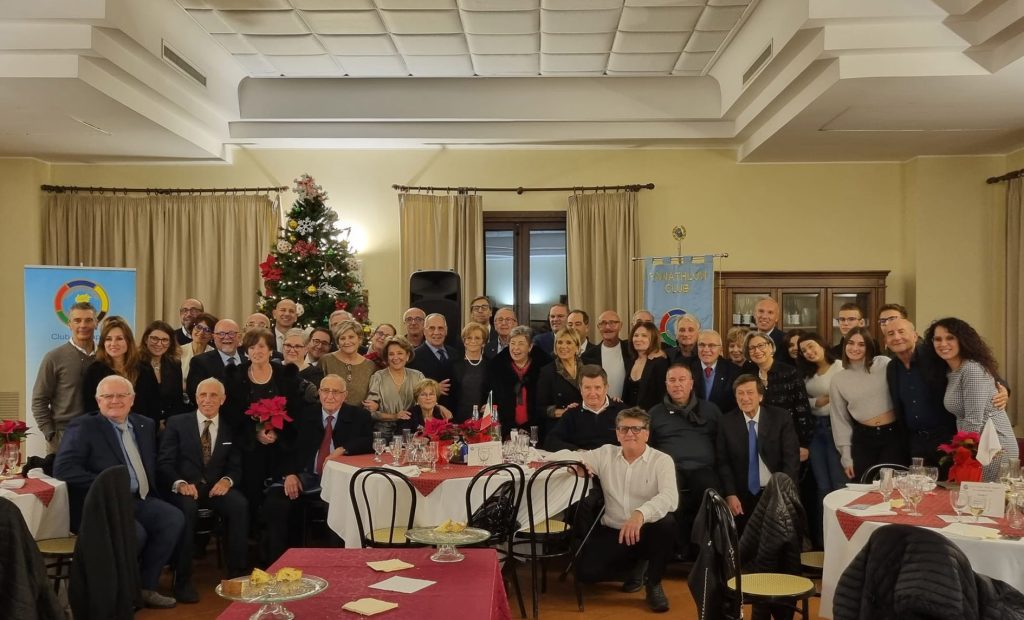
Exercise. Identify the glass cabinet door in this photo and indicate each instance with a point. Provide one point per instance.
(743, 307)
(800, 310)
(860, 298)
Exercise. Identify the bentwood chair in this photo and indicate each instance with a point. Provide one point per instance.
(502, 488)
(549, 533)
(372, 485)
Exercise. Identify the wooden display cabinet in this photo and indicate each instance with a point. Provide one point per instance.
(808, 300)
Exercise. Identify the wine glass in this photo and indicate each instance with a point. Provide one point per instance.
(886, 484)
(12, 454)
(915, 491)
(958, 500)
(899, 482)
(430, 457)
(534, 436)
(976, 506)
(444, 453)
(397, 445)
(378, 449)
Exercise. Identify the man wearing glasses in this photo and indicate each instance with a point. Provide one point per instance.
(329, 428)
(637, 527)
(613, 354)
(115, 437)
(318, 345)
(189, 310)
(504, 322)
(213, 363)
(850, 315)
(414, 319)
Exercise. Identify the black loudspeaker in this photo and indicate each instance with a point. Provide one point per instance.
(440, 292)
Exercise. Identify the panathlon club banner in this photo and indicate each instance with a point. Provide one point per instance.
(675, 286)
(49, 294)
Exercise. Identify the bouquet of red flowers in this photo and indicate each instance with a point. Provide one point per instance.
(270, 413)
(963, 439)
(473, 431)
(12, 430)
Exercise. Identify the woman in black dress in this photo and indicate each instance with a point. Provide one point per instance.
(513, 377)
(116, 355)
(559, 382)
(645, 381)
(469, 374)
(158, 389)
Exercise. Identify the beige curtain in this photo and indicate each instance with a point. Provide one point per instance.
(443, 232)
(203, 246)
(602, 237)
(1015, 296)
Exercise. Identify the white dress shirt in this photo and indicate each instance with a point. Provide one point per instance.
(611, 361)
(761, 467)
(648, 484)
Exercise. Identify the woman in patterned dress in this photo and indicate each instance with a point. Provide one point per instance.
(970, 371)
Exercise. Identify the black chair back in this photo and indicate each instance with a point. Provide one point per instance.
(539, 492)
(876, 470)
(393, 484)
(502, 487)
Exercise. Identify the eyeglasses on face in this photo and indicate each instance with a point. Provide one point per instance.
(608, 323)
(708, 345)
(190, 310)
(479, 307)
(158, 340)
(319, 343)
(762, 346)
(294, 347)
(225, 334)
(202, 329)
(413, 319)
(630, 430)
(332, 392)
(118, 396)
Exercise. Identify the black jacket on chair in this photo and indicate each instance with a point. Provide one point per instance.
(910, 572)
(714, 534)
(105, 579)
(181, 454)
(27, 592)
(774, 535)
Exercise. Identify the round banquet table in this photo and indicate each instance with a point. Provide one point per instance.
(440, 495)
(846, 534)
(43, 502)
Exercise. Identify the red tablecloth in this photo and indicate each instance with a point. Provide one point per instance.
(34, 486)
(936, 503)
(471, 589)
(426, 482)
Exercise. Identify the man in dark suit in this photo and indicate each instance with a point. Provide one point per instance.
(612, 354)
(557, 315)
(504, 321)
(212, 363)
(753, 442)
(712, 374)
(766, 316)
(116, 436)
(333, 428)
(685, 352)
(200, 465)
(189, 310)
(434, 358)
(579, 321)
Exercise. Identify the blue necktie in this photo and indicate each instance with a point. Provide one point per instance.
(441, 355)
(753, 471)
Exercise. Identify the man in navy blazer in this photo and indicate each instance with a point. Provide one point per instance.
(351, 432)
(226, 338)
(714, 385)
(115, 436)
(434, 358)
(557, 315)
(199, 466)
(776, 446)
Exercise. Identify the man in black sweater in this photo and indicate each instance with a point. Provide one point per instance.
(591, 424)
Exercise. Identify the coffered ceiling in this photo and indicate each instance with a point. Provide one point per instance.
(776, 80)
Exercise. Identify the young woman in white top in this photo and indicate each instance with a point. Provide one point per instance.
(818, 366)
(863, 421)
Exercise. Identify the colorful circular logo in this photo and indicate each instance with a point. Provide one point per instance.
(667, 326)
(77, 291)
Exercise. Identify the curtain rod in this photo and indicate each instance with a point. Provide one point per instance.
(718, 255)
(1016, 174)
(521, 190)
(60, 189)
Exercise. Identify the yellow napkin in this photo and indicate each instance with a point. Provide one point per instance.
(368, 606)
(389, 566)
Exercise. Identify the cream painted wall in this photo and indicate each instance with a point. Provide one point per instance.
(778, 216)
(21, 208)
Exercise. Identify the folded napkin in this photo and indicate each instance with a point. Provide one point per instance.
(37, 472)
(389, 566)
(13, 483)
(954, 519)
(409, 471)
(405, 585)
(875, 510)
(864, 488)
(561, 455)
(970, 531)
(368, 606)
(988, 444)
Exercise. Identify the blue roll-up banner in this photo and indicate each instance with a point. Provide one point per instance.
(674, 286)
(49, 294)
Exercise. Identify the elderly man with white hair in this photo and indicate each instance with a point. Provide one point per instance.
(116, 436)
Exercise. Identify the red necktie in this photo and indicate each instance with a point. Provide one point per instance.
(325, 445)
(707, 372)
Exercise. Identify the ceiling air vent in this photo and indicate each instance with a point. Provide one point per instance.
(179, 63)
(758, 64)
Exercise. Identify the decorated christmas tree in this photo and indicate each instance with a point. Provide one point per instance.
(312, 263)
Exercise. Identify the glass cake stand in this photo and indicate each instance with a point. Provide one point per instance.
(447, 542)
(272, 594)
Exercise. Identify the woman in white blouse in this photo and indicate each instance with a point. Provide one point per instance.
(817, 366)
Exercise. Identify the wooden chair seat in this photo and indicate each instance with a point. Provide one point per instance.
(774, 585)
(385, 536)
(550, 526)
(813, 560)
(57, 546)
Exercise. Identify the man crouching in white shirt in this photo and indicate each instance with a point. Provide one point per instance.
(640, 494)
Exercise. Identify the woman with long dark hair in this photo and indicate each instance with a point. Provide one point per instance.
(968, 370)
(783, 386)
(158, 389)
(863, 420)
(115, 355)
(645, 381)
(817, 366)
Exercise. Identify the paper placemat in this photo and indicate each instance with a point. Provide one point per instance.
(954, 519)
(405, 585)
(369, 606)
(389, 566)
(971, 531)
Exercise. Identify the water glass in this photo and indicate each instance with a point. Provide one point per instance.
(886, 484)
(397, 448)
(534, 436)
(378, 448)
(958, 500)
(976, 505)
(916, 466)
(429, 457)
(931, 475)
(915, 491)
